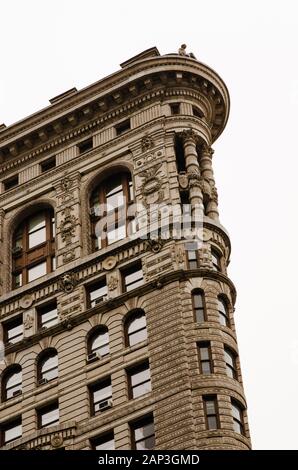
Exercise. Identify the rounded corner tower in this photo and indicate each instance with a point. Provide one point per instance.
(119, 336)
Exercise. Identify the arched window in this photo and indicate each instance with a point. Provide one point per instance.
(238, 421)
(111, 218)
(47, 366)
(231, 364)
(12, 382)
(136, 328)
(223, 311)
(198, 304)
(98, 342)
(33, 248)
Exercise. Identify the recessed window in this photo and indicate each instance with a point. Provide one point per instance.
(211, 412)
(11, 431)
(230, 359)
(216, 260)
(12, 382)
(97, 292)
(85, 146)
(105, 442)
(101, 396)
(98, 343)
(175, 108)
(192, 256)
(48, 366)
(223, 311)
(237, 412)
(122, 127)
(33, 249)
(197, 112)
(143, 437)
(198, 303)
(11, 182)
(47, 315)
(132, 277)
(13, 330)
(48, 164)
(205, 358)
(136, 328)
(139, 380)
(48, 415)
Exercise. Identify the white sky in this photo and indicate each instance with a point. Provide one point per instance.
(50, 46)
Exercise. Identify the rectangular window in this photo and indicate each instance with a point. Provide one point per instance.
(143, 437)
(205, 358)
(11, 182)
(14, 330)
(211, 412)
(216, 260)
(37, 230)
(18, 280)
(231, 367)
(175, 108)
(101, 396)
(198, 306)
(37, 271)
(11, 431)
(48, 416)
(139, 380)
(237, 417)
(197, 112)
(105, 442)
(47, 315)
(133, 277)
(48, 164)
(124, 126)
(97, 292)
(192, 258)
(85, 146)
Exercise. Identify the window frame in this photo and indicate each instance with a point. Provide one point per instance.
(123, 127)
(141, 367)
(207, 345)
(42, 310)
(226, 314)
(41, 359)
(94, 387)
(85, 145)
(14, 422)
(10, 324)
(210, 398)
(137, 424)
(130, 318)
(11, 182)
(189, 261)
(203, 309)
(215, 253)
(94, 334)
(175, 108)
(6, 375)
(92, 287)
(127, 271)
(232, 368)
(40, 412)
(48, 164)
(103, 437)
(240, 409)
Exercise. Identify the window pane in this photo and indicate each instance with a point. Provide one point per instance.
(102, 393)
(222, 306)
(222, 319)
(141, 389)
(37, 222)
(134, 279)
(198, 300)
(236, 412)
(36, 238)
(115, 234)
(98, 292)
(49, 318)
(204, 353)
(15, 333)
(18, 280)
(50, 418)
(12, 433)
(37, 271)
(137, 324)
(206, 368)
(140, 376)
(237, 427)
(106, 445)
(144, 431)
(49, 368)
(212, 422)
(13, 384)
(146, 444)
(210, 407)
(137, 337)
(199, 316)
(101, 343)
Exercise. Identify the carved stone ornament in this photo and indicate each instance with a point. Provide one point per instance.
(28, 322)
(66, 183)
(183, 180)
(189, 134)
(67, 228)
(180, 255)
(56, 440)
(26, 301)
(113, 283)
(214, 195)
(195, 180)
(68, 282)
(146, 143)
(151, 187)
(68, 256)
(155, 245)
(109, 263)
(207, 235)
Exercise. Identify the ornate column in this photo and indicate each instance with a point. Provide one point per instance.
(193, 170)
(208, 176)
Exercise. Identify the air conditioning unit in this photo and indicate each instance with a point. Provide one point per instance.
(93, 357)
(42, 381)
(104, 405)
(17, 250)
(16, 393)
(104, 298)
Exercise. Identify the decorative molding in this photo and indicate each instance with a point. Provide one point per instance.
(68, 282)
(146, 143)
(109, 263)
(113, 282)
(28, 321)
(26, 301)
(67, 228)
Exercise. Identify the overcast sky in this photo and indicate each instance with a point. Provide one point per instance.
(50, 46)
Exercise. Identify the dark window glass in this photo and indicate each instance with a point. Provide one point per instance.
(105, 442)
(143, 434)
(237, 412)
(211, 413)
(133, 278)
(101, 395)
(175, 108)
(12, 383)
(13, 330)
(99, 342)
(98, 292)
(12, 431)
(124, 126)
(49, 366)
(216, 260)
(48, 416)
(48, 164)
(223, 312)
(136, 328)
(197, 112)
(139, 380)
(85, 145)
(192, 255)
(47, 315)
(198, 306)
(230, 358)
(11, 182)
(205, 358)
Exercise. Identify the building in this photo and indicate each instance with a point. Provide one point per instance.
(125, 341)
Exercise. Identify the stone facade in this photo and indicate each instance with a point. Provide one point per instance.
(143, 92)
